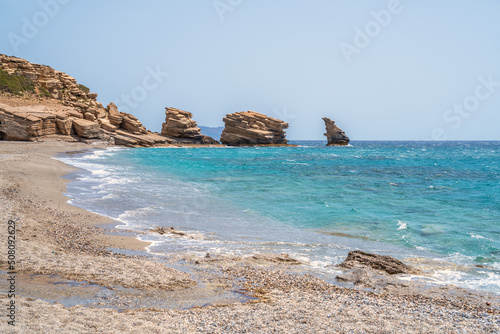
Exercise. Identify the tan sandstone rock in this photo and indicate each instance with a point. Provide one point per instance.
(249, 128)
(179, 125)
(65, 126)
(87, 129)
(112, 109)
(132, 124)
(336, 137)
(106, 125)
(58, 84)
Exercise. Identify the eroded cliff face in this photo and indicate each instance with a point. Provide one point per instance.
(57, 107)
(248, 128)
(48, 81)
(335, 136)
(180, 127)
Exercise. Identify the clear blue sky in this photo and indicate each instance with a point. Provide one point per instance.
(384, 70)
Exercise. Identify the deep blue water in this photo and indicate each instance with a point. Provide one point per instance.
(436, 204)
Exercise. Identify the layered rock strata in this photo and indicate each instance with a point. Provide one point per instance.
(248, 128)
(335, 136)
(180, 127)
(57, 84)
(67, 112)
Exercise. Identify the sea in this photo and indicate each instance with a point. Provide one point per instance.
(434, 205)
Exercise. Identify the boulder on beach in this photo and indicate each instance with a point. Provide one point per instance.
(383, 263)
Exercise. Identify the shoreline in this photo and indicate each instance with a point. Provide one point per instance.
(438, 269)
(81, 254)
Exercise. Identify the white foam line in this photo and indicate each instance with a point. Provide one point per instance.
(153, 244)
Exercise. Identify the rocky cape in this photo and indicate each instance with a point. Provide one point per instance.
(38, 103)
(249, 128)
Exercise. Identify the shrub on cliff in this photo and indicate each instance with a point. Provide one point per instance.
(84, 88)
(44, 92)
(14, 83)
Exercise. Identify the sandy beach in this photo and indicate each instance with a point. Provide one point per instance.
(77, 274)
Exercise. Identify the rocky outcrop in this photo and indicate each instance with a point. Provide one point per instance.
(248, 128)
(56, 107)
(87, 129)
(48, 81)
(383, 263)
(336, 137)
(180, 127)
(26, 123)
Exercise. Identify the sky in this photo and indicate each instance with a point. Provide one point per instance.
(383, 70)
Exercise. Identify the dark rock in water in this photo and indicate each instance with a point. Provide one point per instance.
(360, 259)
(336, 137)
(165, 230)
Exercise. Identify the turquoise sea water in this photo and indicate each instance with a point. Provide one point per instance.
(435, 204)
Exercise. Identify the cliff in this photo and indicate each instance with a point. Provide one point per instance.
(180, 127)
(336, 137)
(38, 103)
(248, 128)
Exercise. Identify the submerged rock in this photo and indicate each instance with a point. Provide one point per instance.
(277, 258)
(169, 230)
(180, 126)
(384, 263)
(336, 137)
(248, 128)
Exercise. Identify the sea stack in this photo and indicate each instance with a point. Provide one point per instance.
(250, 128)
(180, 126)
(336, 137)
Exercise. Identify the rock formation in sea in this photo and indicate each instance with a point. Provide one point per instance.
(180, 127)
(39, 103)
(336, 137)
(248, 128)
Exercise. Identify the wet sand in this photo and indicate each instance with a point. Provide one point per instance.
(73, 277)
